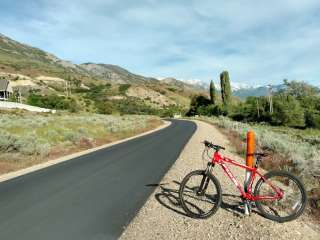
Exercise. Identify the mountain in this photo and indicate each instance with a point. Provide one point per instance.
(115, 74)
(18, 57)
(31, 68)
(183, 84)
(243, 93)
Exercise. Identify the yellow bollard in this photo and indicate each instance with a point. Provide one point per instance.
(249, 162)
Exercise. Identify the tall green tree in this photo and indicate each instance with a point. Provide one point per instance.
(225, 88)
(212, 92)
(198, 105)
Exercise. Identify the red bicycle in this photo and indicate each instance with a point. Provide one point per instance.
(279, 195)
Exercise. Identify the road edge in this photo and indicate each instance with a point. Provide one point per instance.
(24, 171)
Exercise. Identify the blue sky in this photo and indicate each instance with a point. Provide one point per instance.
(258, 42)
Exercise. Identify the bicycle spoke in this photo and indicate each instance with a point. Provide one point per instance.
(288, 203)
(199, 195)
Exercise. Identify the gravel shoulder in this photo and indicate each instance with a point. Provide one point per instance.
(162, 217)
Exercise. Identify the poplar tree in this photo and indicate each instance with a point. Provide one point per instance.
(225, 88)
(212, 92)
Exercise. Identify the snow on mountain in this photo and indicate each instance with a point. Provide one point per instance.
(235, 86)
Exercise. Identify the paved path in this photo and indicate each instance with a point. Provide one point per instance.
(93, 196)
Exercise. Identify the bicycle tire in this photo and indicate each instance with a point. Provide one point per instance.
(300, 187)
(215, 205)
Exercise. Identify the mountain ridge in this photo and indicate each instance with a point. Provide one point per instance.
(32, 68)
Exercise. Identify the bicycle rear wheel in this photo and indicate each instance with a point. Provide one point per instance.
(293, 201)
(200, 194)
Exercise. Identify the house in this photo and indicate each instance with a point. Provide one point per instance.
(5, 89)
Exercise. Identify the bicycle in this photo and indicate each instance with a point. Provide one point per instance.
(278, 195)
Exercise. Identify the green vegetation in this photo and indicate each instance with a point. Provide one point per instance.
(225, 88)
(123, 88)
(53, 102)
(28, 136)
(198, 105)
(296, 105)
(99, 99)
(212, 91)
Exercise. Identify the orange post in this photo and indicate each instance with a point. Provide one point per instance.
(250, 148)
(249, 162)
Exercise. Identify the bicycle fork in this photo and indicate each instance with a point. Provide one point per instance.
(205, 180)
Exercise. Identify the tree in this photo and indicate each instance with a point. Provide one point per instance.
(312, 119)
(288, 111)
(123, 88)
(299, 89)
(212, 92)
(197, 105)
(225, 88)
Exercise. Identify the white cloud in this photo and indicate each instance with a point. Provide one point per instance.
(259, 41)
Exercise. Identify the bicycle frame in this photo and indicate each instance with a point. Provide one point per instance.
(220, 160)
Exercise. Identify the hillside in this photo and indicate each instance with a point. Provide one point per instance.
(115, 74)
(31, 68)
(16, 57)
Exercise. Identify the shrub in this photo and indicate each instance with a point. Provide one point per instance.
(30, 144)
(312, 119)
(7, 142)
(123, 88)
(53, 102)
(288, 112)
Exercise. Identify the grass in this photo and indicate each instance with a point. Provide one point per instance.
(294, 150)
(29, 138)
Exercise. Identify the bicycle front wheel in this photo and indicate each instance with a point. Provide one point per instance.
(290, 205)
(200, 194)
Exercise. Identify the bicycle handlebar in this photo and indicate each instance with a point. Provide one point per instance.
(211, 145)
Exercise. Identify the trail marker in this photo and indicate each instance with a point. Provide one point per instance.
(249, 162)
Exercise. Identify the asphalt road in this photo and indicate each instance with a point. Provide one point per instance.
(93, 196)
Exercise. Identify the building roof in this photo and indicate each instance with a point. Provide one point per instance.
(5, 85)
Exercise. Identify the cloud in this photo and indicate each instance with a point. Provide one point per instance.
(259, 42)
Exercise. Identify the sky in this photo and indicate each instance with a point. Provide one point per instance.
(259, 42)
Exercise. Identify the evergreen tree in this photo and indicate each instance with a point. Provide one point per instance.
(212, 92)
(225, 88)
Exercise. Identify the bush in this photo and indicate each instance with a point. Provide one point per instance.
(123, 88)
(53, 102)
(105, 107)
(7, 142)
(27, 144)
(312, 119)
(198, 104)
(288, 112)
